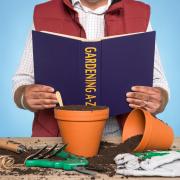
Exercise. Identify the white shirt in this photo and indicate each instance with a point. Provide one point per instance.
(93, 23)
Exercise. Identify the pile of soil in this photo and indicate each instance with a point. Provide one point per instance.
(81, 108)
(103, 162)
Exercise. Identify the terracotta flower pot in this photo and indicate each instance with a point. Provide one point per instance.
(157, 135)
(81, 127)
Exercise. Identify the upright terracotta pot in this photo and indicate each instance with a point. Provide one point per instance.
(157, 135)
(82, 129)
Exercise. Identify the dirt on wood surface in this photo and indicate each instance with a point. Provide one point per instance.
(102, 163)
(19, 158)
(81, 108)
(35, 171)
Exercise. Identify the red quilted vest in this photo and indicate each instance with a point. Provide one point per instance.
(123, 16)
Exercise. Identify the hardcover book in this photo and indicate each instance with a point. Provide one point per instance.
(98, 72)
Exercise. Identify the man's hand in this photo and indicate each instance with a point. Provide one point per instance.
(36, 97)
(152, 99)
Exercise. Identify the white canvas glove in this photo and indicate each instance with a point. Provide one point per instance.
(156, 163)
(160, 158)
(127, 161)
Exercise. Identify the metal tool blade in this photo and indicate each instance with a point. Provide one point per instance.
(57, 151)
(47, 153)
(83, 170)
(35, 155)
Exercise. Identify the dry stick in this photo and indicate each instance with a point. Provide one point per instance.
(59, 98)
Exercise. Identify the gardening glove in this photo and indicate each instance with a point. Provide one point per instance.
(127, 161)
(153, 160)
(156, 163)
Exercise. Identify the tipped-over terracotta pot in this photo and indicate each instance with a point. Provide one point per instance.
(157, 135)
(81, 127)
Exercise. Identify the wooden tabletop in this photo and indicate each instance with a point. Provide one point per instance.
(55, 174)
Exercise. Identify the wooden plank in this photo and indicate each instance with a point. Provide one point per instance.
(37, 142)
(60, 174)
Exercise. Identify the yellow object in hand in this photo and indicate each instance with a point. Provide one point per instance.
(59, 98)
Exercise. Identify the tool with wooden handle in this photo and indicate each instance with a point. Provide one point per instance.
(12, 146)
(59, 98)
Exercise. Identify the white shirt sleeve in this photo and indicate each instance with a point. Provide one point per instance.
(159, 79)
(25, 72)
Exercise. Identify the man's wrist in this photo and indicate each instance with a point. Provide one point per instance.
(19, 97)
(22, 101)
(165, 98)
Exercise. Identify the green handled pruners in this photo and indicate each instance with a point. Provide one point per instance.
(69, 162)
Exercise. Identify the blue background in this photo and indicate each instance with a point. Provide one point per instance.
(16, 21)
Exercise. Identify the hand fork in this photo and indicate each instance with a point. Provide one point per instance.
(70, 162)
(45, 154)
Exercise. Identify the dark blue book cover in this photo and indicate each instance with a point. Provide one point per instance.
(94, 72)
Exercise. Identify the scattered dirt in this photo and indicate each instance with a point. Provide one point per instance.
(19, 158)
(18, 171)
(102, 163)
(35, 171)
(81, 108)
